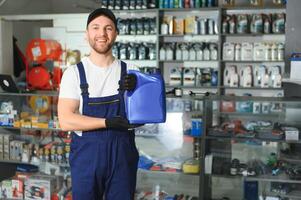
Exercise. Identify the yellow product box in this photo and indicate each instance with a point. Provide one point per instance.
(24, 115)
(178, 26)
(189, 25)
(25, 123)
(34, 119)
(17, 124)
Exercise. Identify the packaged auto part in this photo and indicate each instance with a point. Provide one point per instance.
(237, 52)
(123, 26)
(118, 4)
(246, 51)
(133, 26)
(207, 52)
(278, 25)
(153, 27)
(139, 28)
(210, 26)
(139, 4)
(132, 5)
(146, 26)
(104, 3)
(256, 24)
(123, 52)
(126, 4)
(179, 51)
(188, 76)
(152, 4)
(132, 51)
(142, 51)
(162, 53)
(175, 76)
(152, 51)
(115, 51)
(242, 23)
(266, 24)
(192, 53)
(228, 51)
(213, 51)
(110, 5)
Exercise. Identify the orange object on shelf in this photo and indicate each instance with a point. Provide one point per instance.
(40, 50)
(39, 78)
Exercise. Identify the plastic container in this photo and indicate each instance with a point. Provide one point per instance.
(146, 104)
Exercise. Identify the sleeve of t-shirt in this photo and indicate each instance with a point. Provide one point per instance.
(69, 87)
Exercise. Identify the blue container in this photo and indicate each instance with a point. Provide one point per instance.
(146, 104)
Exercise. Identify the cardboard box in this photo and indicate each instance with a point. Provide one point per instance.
(39, 187)
(17, 189)
(6, 189)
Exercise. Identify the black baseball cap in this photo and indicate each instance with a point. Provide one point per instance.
(102, 12)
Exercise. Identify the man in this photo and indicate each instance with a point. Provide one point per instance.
(103, 155)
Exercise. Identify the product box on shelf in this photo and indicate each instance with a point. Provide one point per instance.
(17, 189)
(1, 147)
(6, 189)
(6, 146)
(295, 72)
(39, 187)
(11, 189)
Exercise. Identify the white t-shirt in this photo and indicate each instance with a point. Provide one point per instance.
(103, 81)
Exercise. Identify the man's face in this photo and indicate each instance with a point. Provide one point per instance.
(101, 34)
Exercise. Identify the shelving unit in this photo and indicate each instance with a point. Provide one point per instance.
(249, 150)
(200, 186)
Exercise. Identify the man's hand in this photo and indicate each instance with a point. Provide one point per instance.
(128, 82)
(120, 124)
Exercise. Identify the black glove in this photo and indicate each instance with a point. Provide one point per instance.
(128, 82)
(120, 124)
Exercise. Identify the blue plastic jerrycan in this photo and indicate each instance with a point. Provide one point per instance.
(147, 103)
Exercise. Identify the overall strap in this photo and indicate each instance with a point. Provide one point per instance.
(123, 69)
(121, 93)
(83, 81)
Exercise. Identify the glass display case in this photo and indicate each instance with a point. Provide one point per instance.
(252, 148)
(169, 152)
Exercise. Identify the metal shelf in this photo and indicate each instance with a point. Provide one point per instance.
(190, 35)
(249, 88)
(215, 8)
(281, 7)
(265, 178)
(252, 61)
(254, 139)
(142, 63)
(187, 61)
(282, 178)
(166, 173)
(27, 128)
(190, 87)
(251, 34)
(32, 93)
(275, 114)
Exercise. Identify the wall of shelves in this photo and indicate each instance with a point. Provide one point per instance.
(74, 31)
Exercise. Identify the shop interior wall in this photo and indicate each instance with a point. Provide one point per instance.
(17, 7)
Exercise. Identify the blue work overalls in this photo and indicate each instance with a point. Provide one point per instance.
(104, 161)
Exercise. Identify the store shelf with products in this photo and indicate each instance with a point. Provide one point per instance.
(169, 152)
(243, 141)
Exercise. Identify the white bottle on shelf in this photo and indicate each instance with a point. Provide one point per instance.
(237, 52)
(274, 52)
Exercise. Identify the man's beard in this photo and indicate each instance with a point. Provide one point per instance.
(103, 50)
